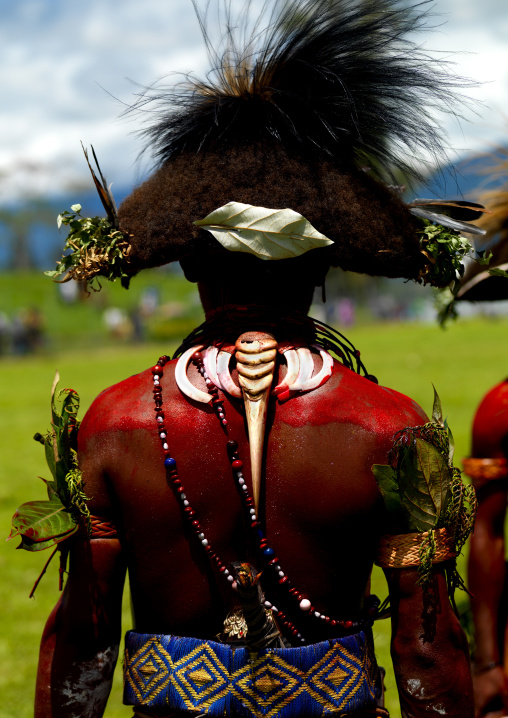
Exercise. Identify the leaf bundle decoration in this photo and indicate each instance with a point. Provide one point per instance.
(444, 249)
(423, 491)
(44, 524)
(98, 249)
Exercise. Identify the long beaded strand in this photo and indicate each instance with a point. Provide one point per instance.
(266, 551)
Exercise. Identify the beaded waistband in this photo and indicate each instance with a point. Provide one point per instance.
(339, 676)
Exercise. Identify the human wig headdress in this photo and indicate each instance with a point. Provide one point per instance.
(309, 105)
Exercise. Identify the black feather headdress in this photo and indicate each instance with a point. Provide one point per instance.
(338, 76)
(297, 103)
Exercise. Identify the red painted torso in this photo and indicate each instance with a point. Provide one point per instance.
(319, 500)
(490, 426)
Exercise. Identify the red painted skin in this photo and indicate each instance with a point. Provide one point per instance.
(329, 475)
(323, 516)
(487, 568)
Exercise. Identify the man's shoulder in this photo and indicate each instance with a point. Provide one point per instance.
(127, 405)
(353, 399)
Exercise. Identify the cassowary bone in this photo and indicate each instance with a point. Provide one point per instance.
(255, 361)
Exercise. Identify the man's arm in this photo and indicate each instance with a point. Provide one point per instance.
(79, 646)
(429, 649)
(487, 573)
(80, 642)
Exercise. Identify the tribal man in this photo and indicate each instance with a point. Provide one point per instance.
(249, 484)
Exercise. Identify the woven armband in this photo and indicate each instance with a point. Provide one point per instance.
(480, 470)
(102, 529)
(403, 550)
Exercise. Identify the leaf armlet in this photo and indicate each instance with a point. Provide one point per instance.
(430, 511)
(50, 523)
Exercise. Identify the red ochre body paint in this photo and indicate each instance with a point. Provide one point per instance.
(490, 426)
(319, 501)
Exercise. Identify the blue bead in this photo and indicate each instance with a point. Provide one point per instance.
(169, 463)
(260, 534)
(268, 552)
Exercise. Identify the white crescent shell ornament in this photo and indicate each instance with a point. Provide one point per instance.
(225, 381)
(182, 380)
(298, 378)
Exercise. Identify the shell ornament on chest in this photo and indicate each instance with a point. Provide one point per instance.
(256, 359)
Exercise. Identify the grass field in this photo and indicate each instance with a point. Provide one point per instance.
(463, 362)
(81, 324)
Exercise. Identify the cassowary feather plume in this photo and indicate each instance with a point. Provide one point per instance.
(338, 76)
(309, 104)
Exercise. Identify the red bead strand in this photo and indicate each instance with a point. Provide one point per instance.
(266, 551)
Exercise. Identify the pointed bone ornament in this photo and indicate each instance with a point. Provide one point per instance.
(255, 361)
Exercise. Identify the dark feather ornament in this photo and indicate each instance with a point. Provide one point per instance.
(455, 214)
(103, 190)
(340, 77)
(301, 97)
(460, 210)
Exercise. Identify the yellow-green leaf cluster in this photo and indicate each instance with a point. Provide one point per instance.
(96, 249)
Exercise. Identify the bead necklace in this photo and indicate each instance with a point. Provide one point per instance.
(266, 551)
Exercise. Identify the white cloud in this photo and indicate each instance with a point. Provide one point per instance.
(59, 54)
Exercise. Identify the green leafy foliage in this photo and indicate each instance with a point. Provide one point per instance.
(423, 485)
(388, 484)
(444, 249)
(444, 302)
(97, 249)
(415, 491)
(437, 409)
(423, 491)
(498, 272)
(43, 524)
(426, 553)
(483, 257)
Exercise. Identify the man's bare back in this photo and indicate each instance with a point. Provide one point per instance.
(319, 501)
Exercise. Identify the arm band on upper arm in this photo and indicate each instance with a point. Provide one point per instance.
(102, 528)
(481, 470)
(403, 550)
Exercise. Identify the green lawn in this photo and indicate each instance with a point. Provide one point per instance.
(82, 323)
(463, 362)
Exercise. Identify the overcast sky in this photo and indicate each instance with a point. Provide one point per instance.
(61, 58)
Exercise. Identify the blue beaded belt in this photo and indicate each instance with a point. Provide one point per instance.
(188, 674)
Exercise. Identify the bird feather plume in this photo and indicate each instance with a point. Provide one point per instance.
(340, 77)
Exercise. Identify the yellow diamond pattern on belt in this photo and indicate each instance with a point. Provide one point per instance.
(203, 676)
(251, 683)
(196, 693)
(323, 682)
(147, 672)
